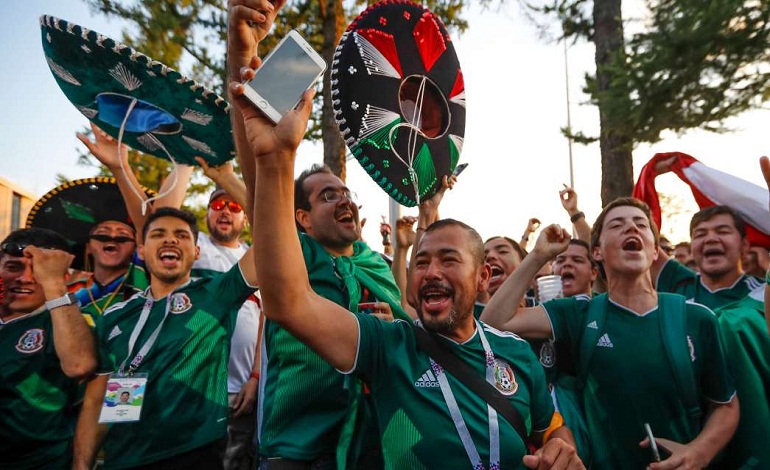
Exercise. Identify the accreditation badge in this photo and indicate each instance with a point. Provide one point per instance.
(124, 398)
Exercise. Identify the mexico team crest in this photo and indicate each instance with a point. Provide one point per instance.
(547, 354)
(505, 381)
(31, 341)
(180, 303)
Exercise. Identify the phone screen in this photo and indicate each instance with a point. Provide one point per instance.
(286, 74)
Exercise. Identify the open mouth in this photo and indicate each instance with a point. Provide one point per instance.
(632, 244)
(713, 252)
(435, 297)
(110, 248)
(497, 273)
(21, 291)
(345, 217)
(169, 257)
(567, 276)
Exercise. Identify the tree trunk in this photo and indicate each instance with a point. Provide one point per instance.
(334, 146)
(615, 145)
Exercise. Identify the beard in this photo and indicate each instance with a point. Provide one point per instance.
(445, 326)
(224, 237)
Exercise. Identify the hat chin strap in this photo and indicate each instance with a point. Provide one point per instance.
(412, 142)
(139, 194)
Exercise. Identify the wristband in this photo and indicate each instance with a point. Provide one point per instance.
(254, 375)
(577, 216)
(556, 422)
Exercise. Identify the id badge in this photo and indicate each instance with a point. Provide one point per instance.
(124, 398)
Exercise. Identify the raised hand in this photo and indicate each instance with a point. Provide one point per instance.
(216, 173)
(249, 21)
(551, 241)
(264, 137)
(48, 266)
(105, 148)
(569, 200)
(405, 231)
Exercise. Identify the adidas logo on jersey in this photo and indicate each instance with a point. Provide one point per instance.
(605, 341)
(115, 332)
(592, 325)
(427, 380)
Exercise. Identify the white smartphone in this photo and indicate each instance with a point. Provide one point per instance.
(286, 73)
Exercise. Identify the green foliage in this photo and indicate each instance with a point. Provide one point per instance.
(697, 63)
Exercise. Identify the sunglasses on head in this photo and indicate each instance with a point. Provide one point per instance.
(106, 238)
(219, 204)
(17, 249)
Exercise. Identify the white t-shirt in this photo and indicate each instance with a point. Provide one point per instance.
(219, 258)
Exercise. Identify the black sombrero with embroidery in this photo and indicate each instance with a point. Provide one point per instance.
(73, 208)
(173, 115)
(395, 71)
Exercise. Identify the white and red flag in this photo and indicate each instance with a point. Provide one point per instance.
(710, 187)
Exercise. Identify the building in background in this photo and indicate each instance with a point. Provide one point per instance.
(15, 204)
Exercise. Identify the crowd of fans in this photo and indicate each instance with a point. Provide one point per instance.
(308, 350)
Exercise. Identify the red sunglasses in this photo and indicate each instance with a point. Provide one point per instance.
(219, 204)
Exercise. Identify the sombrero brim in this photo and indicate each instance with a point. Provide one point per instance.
(73, 208)
(389, 44)
(173, 114)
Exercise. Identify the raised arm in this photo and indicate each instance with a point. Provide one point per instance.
(404, 239)
(330, 330)
(224, 176)
(503, 310)
(569, 201)
(72, 339)
(249, 21)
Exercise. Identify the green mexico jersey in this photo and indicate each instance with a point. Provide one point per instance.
(35, 396)
(748, 350)
(304, 400)
(676, 278)
(415, 424)
(185, 403)
(630, 380)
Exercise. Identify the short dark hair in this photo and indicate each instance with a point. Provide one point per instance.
(180, 214)
(713, 211)
(584, 244)
(39, 237)
(683, 245)
(514, 244)
(301, 198)
(596, 230)
(476, 246)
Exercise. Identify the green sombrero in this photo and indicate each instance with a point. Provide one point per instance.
(72, 209)
(173, 115)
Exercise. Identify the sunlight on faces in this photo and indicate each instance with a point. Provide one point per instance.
(574, 267)
(224, 225)
(445, 279)
(502, 259)
(21, 291)
(169, 250)
(111, 254)
(335, 225)
(626, 243)
(717, 246)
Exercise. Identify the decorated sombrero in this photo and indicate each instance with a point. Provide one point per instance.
(73, 208)
(399, 98)
(173, 115)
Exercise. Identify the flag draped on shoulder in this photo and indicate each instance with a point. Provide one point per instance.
(710, 187)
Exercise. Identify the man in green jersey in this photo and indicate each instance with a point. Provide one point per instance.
(718, 242)
(414, 400)
(629, 371)
(748, 350)
(46, 346)
(177, 333)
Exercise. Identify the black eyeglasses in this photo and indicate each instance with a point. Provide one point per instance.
(17, 249)
(106, 238)
(332, 196)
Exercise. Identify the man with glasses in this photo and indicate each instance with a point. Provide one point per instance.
(45, 347)
(304, 402)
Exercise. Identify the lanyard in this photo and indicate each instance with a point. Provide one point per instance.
(138, 329)
(457, 418)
